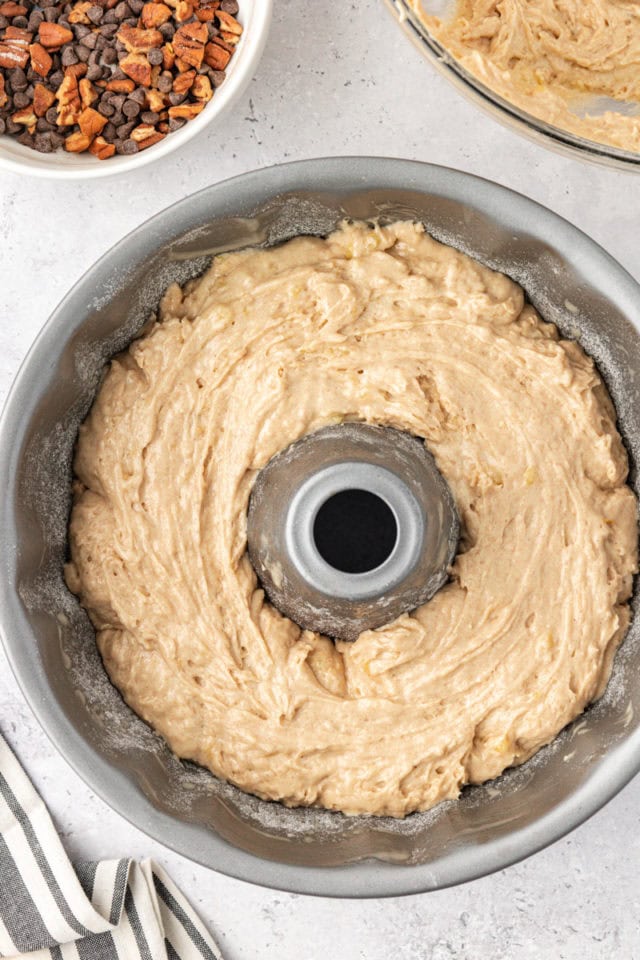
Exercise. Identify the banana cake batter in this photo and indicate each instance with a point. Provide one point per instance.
(375, 324)
(555, 59)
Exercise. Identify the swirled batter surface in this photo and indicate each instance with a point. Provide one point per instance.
(387, 326)
(554, 59)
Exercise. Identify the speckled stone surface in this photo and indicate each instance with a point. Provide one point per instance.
(335, 79)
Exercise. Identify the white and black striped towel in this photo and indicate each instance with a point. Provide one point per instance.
(112, 910)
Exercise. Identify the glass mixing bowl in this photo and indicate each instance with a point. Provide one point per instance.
(500, 109)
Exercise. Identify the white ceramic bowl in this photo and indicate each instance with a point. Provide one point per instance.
(255, 16)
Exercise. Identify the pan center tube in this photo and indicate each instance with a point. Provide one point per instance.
(350, 527)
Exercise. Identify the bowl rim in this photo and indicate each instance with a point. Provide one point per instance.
(501, 109)
(365, 878)
(240, 75)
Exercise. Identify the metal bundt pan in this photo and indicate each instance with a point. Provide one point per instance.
(50, 642)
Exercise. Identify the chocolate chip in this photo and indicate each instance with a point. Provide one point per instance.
(217, 77)
(139, 96)
(94, 72)
(82, 53)
(109, 132)
(122, 11)
(108, 29)
(117, 100)
(131, 109)
(57, 140)
(212, 30)
(2, 125)
(110, 19)
(51, 14)
(35, 19)
(167, 30)
(21, 100)
(25, 139)
(89, 41)
(155, 56)
(43, 125)
(42, 143)
(20, 22)
(51, 115)
(126, 147)
(81, 30)
(18, 79)
(175, 123)
(69, 57)
(176, 98)
(136, 6)
(118, 118)
(150, 116)
(4, 22)
(165, 82)
(125, 129)
(109, 55)
(230, 6)
(55, 79)
(95, 14)
(106, 109)
(13, 127)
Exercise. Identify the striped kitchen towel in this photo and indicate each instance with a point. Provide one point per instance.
(112, 910)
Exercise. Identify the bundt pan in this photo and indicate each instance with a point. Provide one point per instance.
(48, 637)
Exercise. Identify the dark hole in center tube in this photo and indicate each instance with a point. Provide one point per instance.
(355, 531)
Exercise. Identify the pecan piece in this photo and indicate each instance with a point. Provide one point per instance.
(3, 96)
(136, 66)
(168, 57)
(79, 12)
(88, 93)
(137, 40)
(26, 117)
(230, 29)
(215, 56)
(155, 14)
(69, 103)
(189, 42)
(14, 48)
(10, 9)
(184, 81)
(201, 88)
(41, 62)
(155, 100)
(186, 110)
(149, 141)
(101, 149)
(120, 86)
(91, 122)
(43, 98)
(77, 143)
(52, 36)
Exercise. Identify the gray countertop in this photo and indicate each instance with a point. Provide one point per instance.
(335, 79)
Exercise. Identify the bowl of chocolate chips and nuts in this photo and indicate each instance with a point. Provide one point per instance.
(90, 88)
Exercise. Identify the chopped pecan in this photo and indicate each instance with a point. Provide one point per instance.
(142, 131)
(184, 81)
(183, 11)
(215, 56)
(136, 66)
(189, 42)
(76, 70)
(69, 103)
(10, 9)
(43, 98)
(149, 141)
(79, 12)
(41, 62)
(201, 88)
(155, 100)
(91, 122)
(206, 10)
(26, 117)
(52, 36)
(101, 149)
(3, 96)
(186, 110)
(230, 29)
(168, 57)
(155, 14)
(14, 48)
(88, 93)
(137, 40)
(77, 143)
(120, 86)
